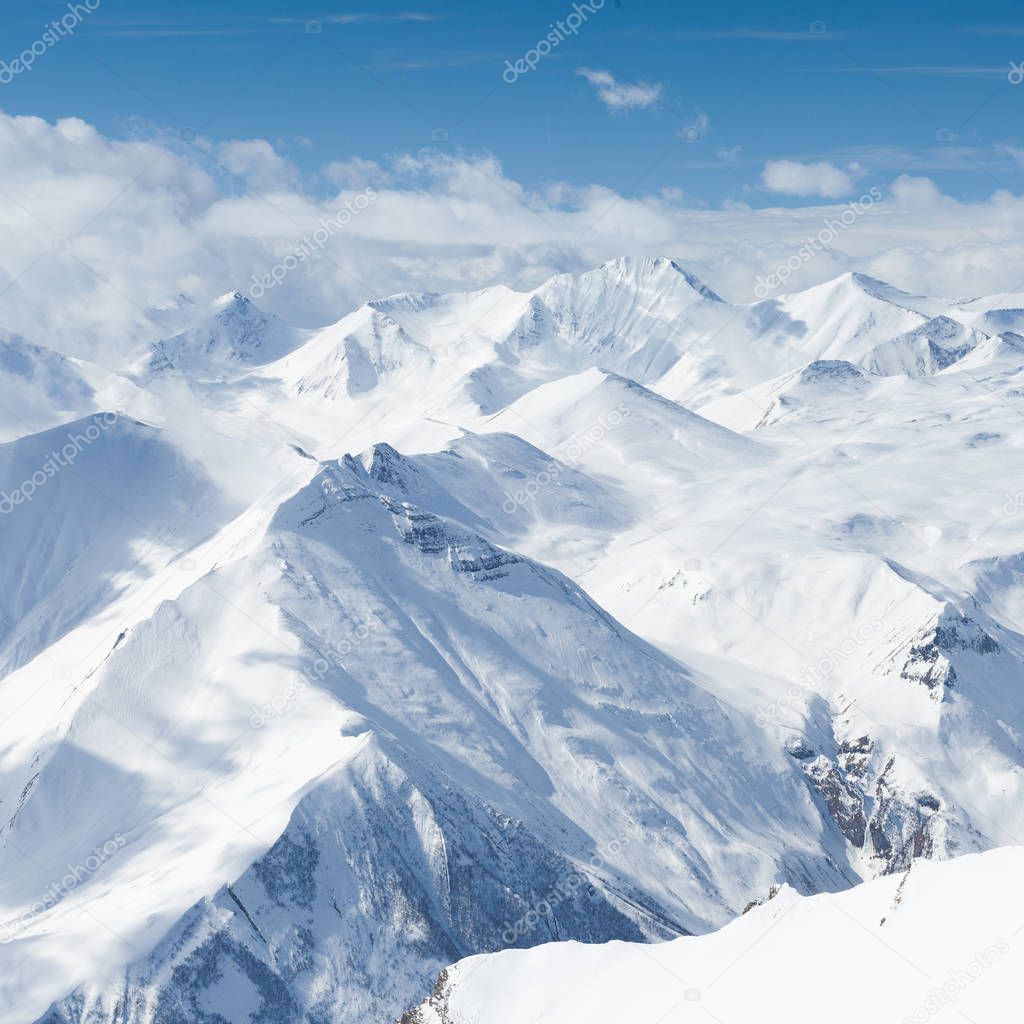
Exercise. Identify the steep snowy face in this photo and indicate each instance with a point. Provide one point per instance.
(939, 940)
(841, 319)
(351, 358)
(632, 316)
(479, 620)
(997, 362)
(596, 417)
(384, 874)
(460, 356)
(41, 388)
(456, 360)
(236, 337)
(533, 742)
(926, 350)
(88, 510)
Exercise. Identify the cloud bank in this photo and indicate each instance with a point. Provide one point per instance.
(111, 244)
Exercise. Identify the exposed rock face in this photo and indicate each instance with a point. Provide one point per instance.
(843, 799)
(236, 337)
(928, 657)
(855, 755)
(798, 748)
(772, 893)
(378, 870)
(831, 370)
(877, 814)
(437, 1002)
(903, 827)
(875, 796)
(466, 552)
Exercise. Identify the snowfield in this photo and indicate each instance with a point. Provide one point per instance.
(484, 621)
(939, 941)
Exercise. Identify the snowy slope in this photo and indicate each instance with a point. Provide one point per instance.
(925, 350)
(234, 338)
(942, 940)
(40, 388)
(392, 620)
(847, 316)
(827, 389)
(90, 508)
(632, 605)
(413, 369)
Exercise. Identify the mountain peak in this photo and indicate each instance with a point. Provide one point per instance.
(875, 288)
(837, 371)
(233, 299)
(647, 267)
(235, 336)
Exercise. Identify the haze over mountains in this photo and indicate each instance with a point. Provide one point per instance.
(482, 620)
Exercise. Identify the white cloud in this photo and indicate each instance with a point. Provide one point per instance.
(157, 230)
(370, 17)
(916, 192)
(257, 163)
(354, 173)
(618, 96)
(796, 179)
(1015, 153)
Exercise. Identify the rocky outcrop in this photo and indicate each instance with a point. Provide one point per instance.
(872, 809)
(845, 802)
(384, 875)
(903, 826)
(435, 1009)
(466, 552)
(928, 657)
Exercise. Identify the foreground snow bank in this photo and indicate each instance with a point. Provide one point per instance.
(943, 940)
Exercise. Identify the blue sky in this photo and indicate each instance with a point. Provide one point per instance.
(872, 89)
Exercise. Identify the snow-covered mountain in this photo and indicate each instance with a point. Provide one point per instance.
(234, 338)
(482, 620)
(42, 388)
(499, 693)
(941, 939)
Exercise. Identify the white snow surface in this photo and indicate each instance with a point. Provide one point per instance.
(940, 941)
(354, 644)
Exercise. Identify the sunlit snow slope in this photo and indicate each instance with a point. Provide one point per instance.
(484, 620)
(942, 940)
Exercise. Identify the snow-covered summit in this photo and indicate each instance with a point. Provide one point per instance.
(235, 337)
